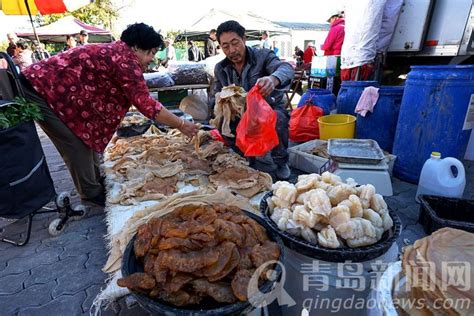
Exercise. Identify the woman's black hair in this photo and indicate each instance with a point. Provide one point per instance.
(22, 43)
(142, 36)
(230, 26)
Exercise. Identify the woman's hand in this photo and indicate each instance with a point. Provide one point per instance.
(266, 85)
(188, 128)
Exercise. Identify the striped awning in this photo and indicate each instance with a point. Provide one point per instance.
(18, 7)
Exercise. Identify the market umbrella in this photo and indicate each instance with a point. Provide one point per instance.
(32, 7)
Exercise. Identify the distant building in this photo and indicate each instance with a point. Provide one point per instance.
(300, 35)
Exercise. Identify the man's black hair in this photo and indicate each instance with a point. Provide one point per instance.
(212, 31)
(230, 26)
(142, 36)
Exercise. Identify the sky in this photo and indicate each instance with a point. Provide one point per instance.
(178, 15)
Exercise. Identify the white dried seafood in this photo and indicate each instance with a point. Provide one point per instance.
(377, 203)
(340, 193)
(361, 242)
(331, 178)
(303, 217)
(318, 202)
(309, 235)
(354, 204)
(285, 191)
(281, 216)
(328, 238)
(386, 219)
(339, 215)
(356, 228)
(373, 217)
(366, 192)
(307, 182)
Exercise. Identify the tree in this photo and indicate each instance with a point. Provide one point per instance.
(100, 13)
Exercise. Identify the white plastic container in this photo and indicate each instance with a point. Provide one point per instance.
(437, 177)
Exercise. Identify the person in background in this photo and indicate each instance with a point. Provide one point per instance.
(83, 38)
(248, 67)
(194, 53)
(39, 52)
(70, 43)
(83, 106)
(298, 56)
(308, 56)
(23, 54)
(170, 52)
(265, 41)
(210, 47)
(335, 38)
(333, 44)
(11, 49)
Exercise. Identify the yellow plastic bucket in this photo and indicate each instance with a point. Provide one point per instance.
(336, 126)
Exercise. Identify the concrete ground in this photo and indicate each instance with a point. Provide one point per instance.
(62, 275)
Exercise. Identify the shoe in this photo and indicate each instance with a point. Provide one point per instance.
(283, 172)
(97, 200)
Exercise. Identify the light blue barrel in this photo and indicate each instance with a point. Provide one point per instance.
(349, 95)
(432, 116)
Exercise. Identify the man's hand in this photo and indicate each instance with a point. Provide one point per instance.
(266, 85)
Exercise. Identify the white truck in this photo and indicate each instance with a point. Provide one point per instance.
(431, 32)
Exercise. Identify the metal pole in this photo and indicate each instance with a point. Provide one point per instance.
(31, 20)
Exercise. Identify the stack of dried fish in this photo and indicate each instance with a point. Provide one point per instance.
(230, 105)
(155, 165)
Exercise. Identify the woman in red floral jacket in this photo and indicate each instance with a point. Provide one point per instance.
(85, 92)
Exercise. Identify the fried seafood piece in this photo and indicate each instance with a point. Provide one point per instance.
(225, 251)
(327, 238)
(191, 261)
(179, 298)
(177, 281)
(142, 243)
(178, 243)
(149, 263)
(259, 231)
(229, 267)
(240, 284)
(227, 230)
(250, 236)
(165, 186)
(220, 291)
(267, 251)
(354, 204)
(245, 261)
(138, 281)
(160, 273)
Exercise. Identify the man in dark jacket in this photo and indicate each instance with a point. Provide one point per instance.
(210, 47)
(194, 53)
(246, 67)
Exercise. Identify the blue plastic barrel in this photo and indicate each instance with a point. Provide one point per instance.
(381, 124)
(350, 93)
(432, 115)
(320, 97)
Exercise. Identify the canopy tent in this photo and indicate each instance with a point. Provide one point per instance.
(253, 24)
(33, 7)
(56, 32)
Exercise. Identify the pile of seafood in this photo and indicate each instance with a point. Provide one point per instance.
(197, 252)
(324, 210)
(159, 163)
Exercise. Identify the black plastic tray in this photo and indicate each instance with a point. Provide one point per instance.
(437, 212)
(315, 251)
(207, 307)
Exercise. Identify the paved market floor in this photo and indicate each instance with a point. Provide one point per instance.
(62, 275)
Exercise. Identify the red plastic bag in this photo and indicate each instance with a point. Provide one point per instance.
(304, 123)
(256, 134)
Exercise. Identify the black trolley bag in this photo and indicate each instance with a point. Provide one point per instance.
(26, 185)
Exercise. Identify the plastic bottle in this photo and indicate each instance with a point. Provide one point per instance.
(437, 177)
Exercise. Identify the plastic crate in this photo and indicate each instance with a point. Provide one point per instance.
(437, 212)
(300, 157)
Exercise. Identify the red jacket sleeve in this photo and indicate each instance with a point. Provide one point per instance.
(131, 79)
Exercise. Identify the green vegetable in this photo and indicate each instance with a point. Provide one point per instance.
(21, 111)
